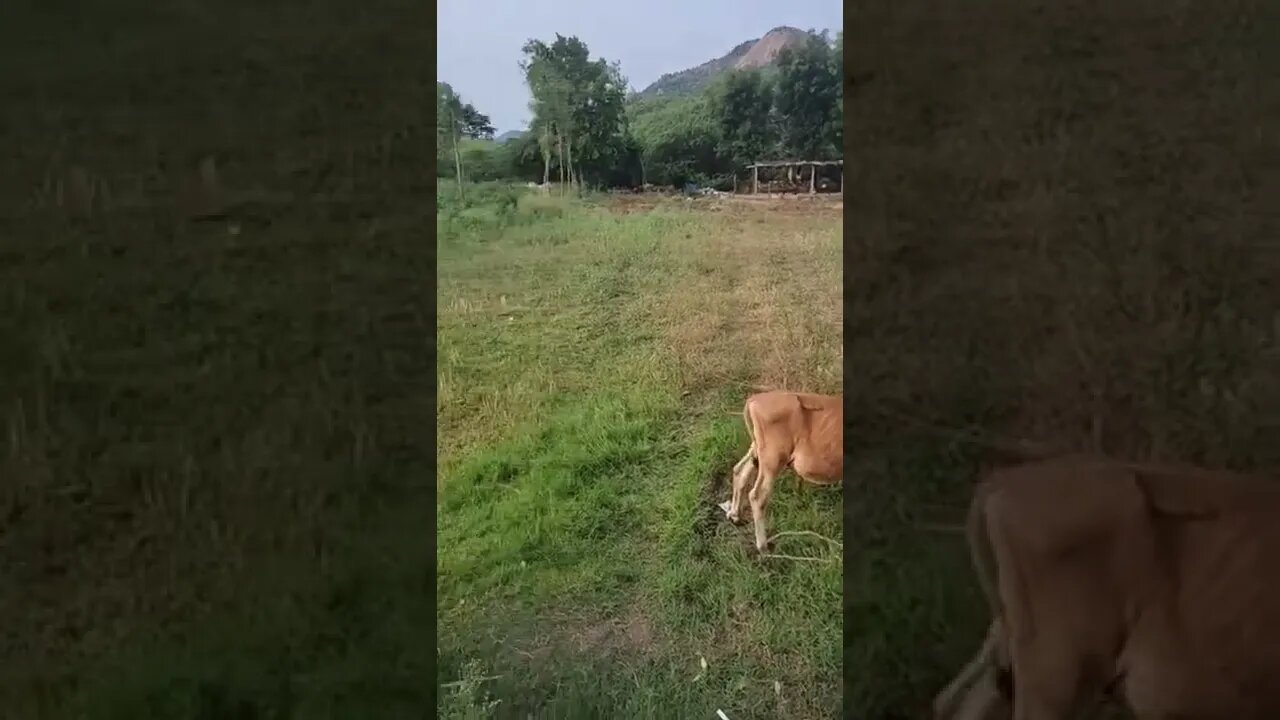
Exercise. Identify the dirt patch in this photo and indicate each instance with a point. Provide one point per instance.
(762, 207)
(715, 486)
(639, 631)
(628, 633)
(637, 203)
(633, 632)
(821, 204)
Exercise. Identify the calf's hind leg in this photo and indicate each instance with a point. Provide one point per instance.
(760, 495)
(737, 467)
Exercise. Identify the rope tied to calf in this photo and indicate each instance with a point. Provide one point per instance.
(837, 554)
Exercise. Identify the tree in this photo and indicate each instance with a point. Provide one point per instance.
(740, 104)
(456, 120)
(600, 119)
(475, 124)
(837, 67)
(578, 106)
(449, 125)
(678, 142)
(483, 160)
(572, 61)
(807, 98)
(522, 158)
(548, 88)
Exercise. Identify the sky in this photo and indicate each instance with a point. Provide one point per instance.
(479, 42)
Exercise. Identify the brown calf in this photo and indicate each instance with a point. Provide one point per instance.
(1156, 584)
(802, 431)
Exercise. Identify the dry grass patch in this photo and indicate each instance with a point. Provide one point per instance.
(759, 303)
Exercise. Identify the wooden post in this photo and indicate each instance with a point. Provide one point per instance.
(755, 179)
(813, 171)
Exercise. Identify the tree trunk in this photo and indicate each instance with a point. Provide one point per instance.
(546, 156)
(575, 173)
(457, 156)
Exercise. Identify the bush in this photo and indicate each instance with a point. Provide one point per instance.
(485, 209)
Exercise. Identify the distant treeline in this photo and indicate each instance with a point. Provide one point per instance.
(585, 132)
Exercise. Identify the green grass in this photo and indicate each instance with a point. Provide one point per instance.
(584, 427)
(1058, 239)
(215, 480)
(205, 483)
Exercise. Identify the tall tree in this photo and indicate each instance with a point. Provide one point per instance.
(456, 120)
(549, 88)
(678, 141)
(600, 120)
(571, 57)
(741, 103)
(578, 104)
(807, 96)
(449, 126)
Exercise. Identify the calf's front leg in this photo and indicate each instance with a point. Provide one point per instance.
(945, 704)
(742, 476)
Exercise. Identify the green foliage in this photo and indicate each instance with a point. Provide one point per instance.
(837, 67)
(790, 110)
(578, 108)
(475, 124)
(522, 157)
(808, 99)
(679, 142)
(586, 133)
(482, 211)
(456, 120)
(740, 104)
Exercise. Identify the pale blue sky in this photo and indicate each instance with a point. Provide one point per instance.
(479, 42)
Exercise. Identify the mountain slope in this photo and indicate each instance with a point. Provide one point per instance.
(756, 53)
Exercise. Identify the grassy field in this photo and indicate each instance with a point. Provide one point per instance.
(593, 360)
(1057, 231)
(214, 467)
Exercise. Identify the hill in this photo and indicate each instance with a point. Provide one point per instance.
(509, 135)
(756, 53)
